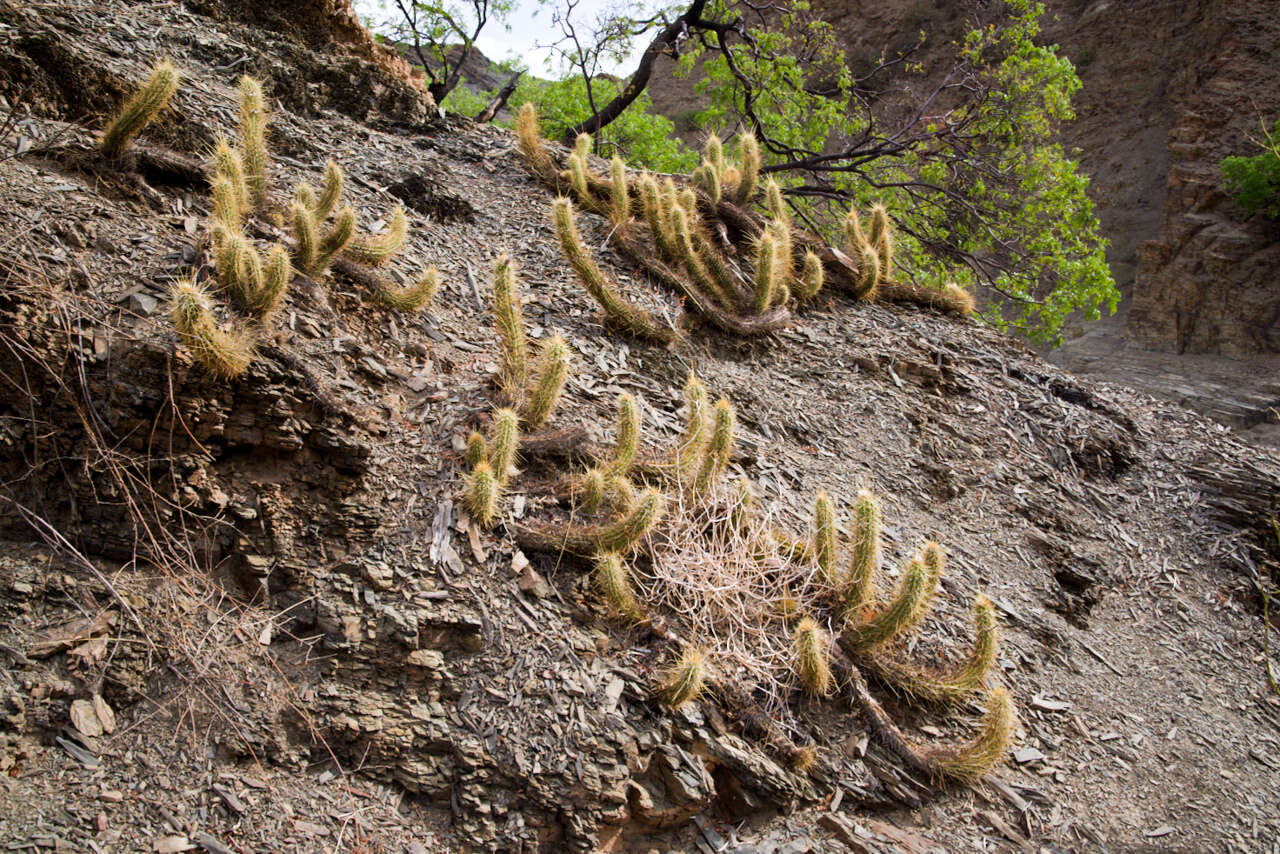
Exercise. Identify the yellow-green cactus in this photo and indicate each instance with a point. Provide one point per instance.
(811, 658)
(553, 371)
(140, 109)
(508, 314)
(685, 680)
(412, 297)
(621, 312)
(375, 250)
(253, 140)
(226, 355)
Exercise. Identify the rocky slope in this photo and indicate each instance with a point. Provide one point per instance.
(248, 615)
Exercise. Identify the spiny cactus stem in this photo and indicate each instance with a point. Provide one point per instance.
(685, 680)
(508, 314)
(619, 536)
(140, 109)
(810, 649)
(627, 437)
(503, 443)
(378, 249)
(333, 180)
(958, 682)
(226, 355)
(859, 588)
(253, 140)
(481, 496)
(336, 239)
(749, 153)
(619, 194)
(635, 320)
(766, 273)
(824, 536)
(412, 297)
(553, 371)
(903, 612)
(614, 581)
(306, 244)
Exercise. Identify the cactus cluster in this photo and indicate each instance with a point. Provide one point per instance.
(722, 180)
(257, 283)
(627, 317)
(492, 466)
(692, 252)
(836, 621)
(531, 402)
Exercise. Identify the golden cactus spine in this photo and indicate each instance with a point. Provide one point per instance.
(716, 458)
(412, 297)
(881, 239)
(140, 109)
(376, 250)
(651, 204)
(269, 292)
(774, 203)
(228, 163)
(622, 535)
(694, 261)
(715, 154)
(503, 444)
(811, 660)
(627, 437)
(578, 179)
(328, 200)
(697, 426)
(962, 679)
(685, 680)
(635, 320)
(335, 239)
(226, 355)
(508, 315)
(306, 243)
(619, 195)
(812, 276)
(477, 449)
(553, 371)
(766, 273)
(226, 203)
(253, 140)
(749, 155)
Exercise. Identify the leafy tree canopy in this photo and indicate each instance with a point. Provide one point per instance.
(1254, 182)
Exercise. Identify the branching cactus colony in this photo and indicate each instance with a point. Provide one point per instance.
(839, 624)
(531, 399)
(257, 283)
(740, 271)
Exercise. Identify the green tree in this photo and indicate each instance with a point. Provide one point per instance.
(1254, 182)
(640, 136)
(440, 34)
